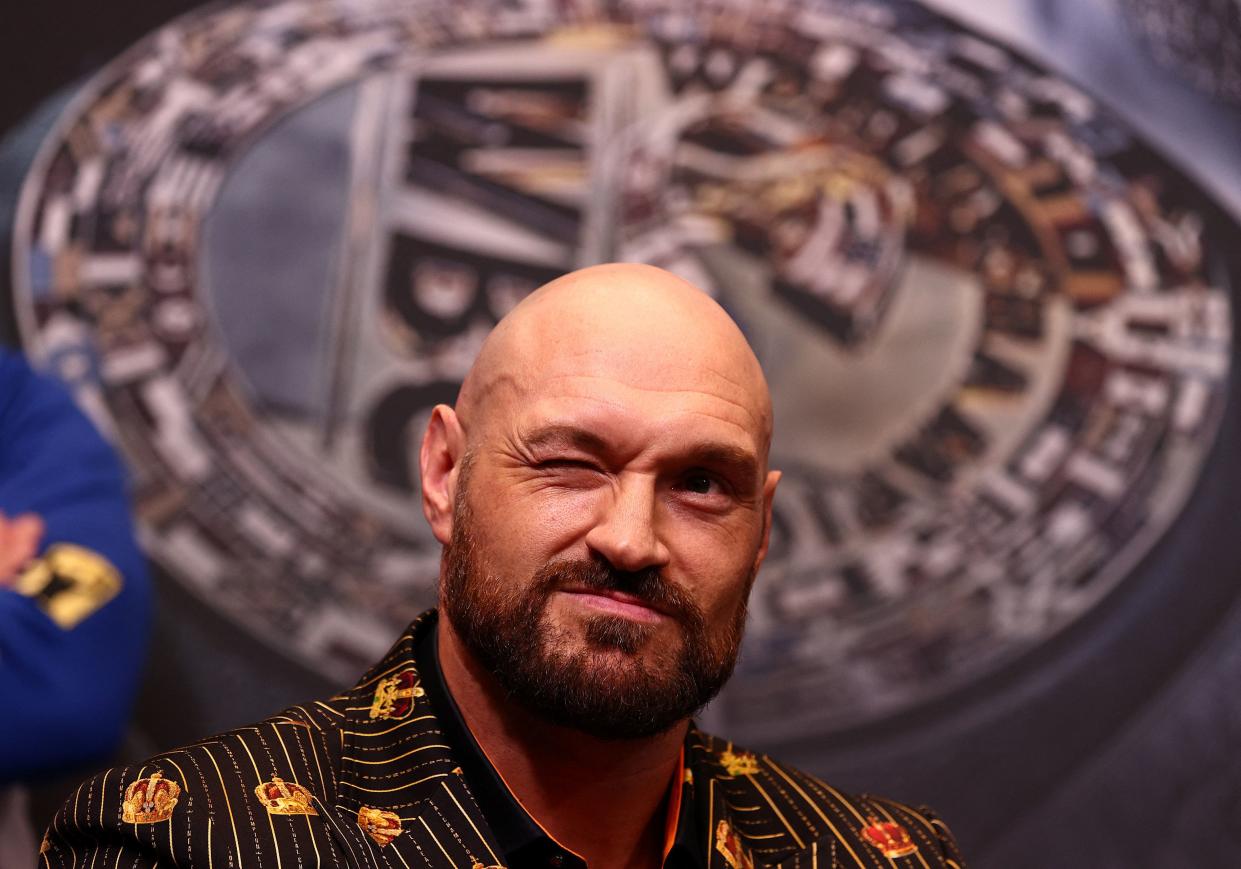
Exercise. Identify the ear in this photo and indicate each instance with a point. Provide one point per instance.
(443, 449)
(769, 494)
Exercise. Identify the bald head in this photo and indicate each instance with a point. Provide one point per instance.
(633, 325)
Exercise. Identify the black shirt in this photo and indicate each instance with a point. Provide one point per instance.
(524, 844)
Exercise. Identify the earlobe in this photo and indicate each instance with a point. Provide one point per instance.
(443, 447)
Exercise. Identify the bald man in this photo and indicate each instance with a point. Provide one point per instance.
(602, 494)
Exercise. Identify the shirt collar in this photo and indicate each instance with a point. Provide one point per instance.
(525, 844)
(686, 849)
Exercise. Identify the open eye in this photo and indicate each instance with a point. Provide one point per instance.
(704, 486)
(700, 483)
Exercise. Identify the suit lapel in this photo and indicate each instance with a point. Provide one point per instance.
(401, 791)
(743, 826)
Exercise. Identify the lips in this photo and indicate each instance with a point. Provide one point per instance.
(618, 603)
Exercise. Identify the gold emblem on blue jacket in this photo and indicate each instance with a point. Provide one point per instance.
(69, 583)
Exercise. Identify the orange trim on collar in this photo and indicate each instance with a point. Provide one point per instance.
(673, 816)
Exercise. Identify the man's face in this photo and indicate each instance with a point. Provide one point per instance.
(604, 539)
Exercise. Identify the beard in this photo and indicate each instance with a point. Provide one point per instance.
(603, 684)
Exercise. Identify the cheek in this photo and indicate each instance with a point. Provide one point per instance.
(536, 520)
(724, 541)
(715, 560)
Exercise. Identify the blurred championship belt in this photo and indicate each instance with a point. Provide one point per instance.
(69, 583)
(995, 321)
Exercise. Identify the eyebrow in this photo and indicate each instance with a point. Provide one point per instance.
(734, 461)
(728, 458)
(565, 436)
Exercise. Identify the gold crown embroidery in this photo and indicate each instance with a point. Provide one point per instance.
(728, 843)
(150, 800)
(381, 826)
(394, 696)
(739, 763)
(890, 838)
(285, 798)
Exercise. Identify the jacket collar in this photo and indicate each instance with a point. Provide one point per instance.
(735, 819)
(398, 771)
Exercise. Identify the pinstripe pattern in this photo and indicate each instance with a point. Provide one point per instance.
(349, 759)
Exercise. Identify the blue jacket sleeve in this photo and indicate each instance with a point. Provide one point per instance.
(66, 693)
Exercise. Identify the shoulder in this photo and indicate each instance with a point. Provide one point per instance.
(213, 797)
(32, 399)
(772, 802)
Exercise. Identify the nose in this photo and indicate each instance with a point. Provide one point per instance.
(625, 532)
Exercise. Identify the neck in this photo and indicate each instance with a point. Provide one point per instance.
(567, 780)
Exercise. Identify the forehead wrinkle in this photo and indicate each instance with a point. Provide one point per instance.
(756, 415)
(747, 379)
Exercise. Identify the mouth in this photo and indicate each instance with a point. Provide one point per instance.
(616, 603)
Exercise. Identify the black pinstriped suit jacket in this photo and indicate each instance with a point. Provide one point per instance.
(365, 780)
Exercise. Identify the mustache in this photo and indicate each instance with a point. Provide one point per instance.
(647, 585)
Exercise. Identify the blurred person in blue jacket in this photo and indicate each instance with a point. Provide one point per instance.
(75, 598)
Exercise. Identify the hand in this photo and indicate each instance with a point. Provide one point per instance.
(19, 542)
